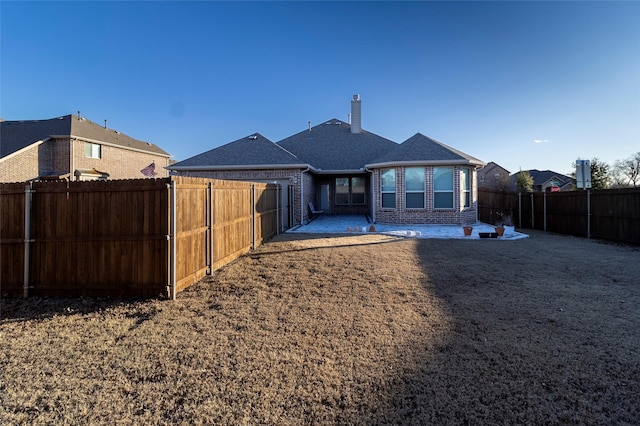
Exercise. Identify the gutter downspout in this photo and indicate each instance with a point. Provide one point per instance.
(27, 238)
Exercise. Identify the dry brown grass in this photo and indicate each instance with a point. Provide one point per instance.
(345, 330)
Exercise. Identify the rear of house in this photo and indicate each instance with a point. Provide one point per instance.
(342, 168)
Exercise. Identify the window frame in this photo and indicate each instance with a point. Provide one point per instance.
(350, 193)
(93, 150)
(443, 191)
(387, 191)
(465, 187)
(407, 191)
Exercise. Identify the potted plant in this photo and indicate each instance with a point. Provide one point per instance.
(467, 230)
(504, 225)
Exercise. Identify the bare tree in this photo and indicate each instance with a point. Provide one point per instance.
(627, 171)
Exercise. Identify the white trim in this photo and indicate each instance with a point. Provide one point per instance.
(387, 164)
(241, 167)
(114, 145)
(21, 150)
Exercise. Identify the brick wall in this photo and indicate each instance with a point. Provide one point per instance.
(21, 167)
(118, 162)
(430, 215)
(52, 158)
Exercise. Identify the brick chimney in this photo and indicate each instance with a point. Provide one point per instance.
(356, 115)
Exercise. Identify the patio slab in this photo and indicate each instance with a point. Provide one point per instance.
(342, 224)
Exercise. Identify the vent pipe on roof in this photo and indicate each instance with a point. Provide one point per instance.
(356, 115)
(105, 123)
(309, 125)
(78, 115)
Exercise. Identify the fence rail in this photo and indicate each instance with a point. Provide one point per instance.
(609, 214)
(145, 237)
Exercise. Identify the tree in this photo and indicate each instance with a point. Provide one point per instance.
(524, 181)
(599, 174)
(627, 171)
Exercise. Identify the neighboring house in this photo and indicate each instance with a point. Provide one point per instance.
(547, 181)
(344, 169)
(72, 147)
(494, 176)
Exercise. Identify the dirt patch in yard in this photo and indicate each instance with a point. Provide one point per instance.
(370, 329)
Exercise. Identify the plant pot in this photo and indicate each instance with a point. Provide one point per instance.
(467, 230)
(499, 231)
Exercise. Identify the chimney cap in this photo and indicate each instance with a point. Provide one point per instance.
(356, 97)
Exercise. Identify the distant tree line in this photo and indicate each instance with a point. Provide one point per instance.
(622, 174)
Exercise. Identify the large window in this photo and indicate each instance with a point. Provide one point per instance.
(443, 187)
(414, 186)
(357, 190)
(342, 191)
(350, 191)
(92, 150)
(465, 188)
(388, 188)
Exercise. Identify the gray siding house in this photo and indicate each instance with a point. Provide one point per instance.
(342, 168)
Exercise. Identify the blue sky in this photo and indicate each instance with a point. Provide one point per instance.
(529, 85)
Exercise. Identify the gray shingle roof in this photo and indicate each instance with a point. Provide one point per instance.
(15, 135)
(331, 146)
(422, 149)
(540, 177)
(253, 150)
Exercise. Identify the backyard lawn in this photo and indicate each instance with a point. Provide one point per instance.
(359, 329)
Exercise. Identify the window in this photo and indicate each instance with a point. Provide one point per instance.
(342, 191)
(357, 190)
(350, 191)
(443, 187)
(414, 186)
(92, 150)
(465, 185)
(388, 187)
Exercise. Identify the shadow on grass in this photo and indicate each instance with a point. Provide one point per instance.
(40, 308)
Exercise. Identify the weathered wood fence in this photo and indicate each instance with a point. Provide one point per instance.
(146, 237)
(608, 214)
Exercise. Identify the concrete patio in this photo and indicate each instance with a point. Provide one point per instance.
(343, 224)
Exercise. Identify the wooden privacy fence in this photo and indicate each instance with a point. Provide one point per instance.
(145, 238)
(608, 214)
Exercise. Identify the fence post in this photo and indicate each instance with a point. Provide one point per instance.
(253, 216)
(519, 209)
(588, 213)
(278, 188)
(172, 240)
(27, 238)
(533, 226)
(544, 210)
(210, 226)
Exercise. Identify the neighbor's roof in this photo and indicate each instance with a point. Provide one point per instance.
(540, 177)
(253, 151)
(331, 146)
(16, 135)
(420, 149)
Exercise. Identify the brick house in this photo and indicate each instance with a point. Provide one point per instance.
(494, 176)
(72, 147)
(343, 169)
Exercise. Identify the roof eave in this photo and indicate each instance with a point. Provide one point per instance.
(475, 163)
(240, 167)
(339, 172)
(115, 145)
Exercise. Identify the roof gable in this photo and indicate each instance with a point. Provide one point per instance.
(17, 135)
(331, 146)
(252, 150)
(422, 149)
